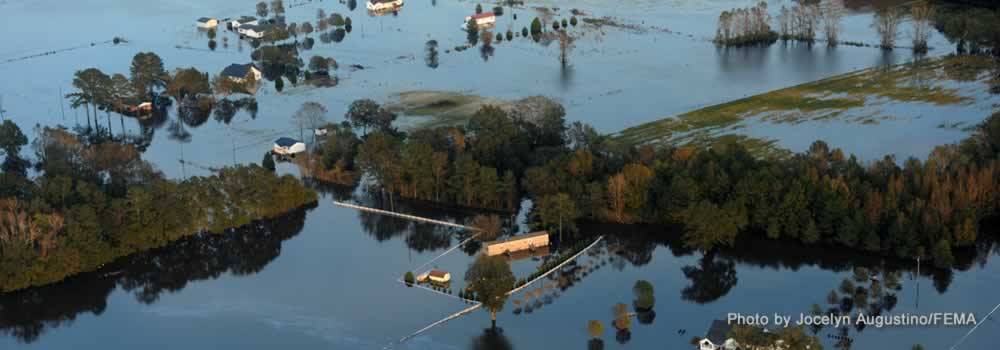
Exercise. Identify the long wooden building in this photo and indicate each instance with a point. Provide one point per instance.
(528, 241)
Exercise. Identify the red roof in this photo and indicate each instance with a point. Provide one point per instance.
(483, 15)
(438, 274)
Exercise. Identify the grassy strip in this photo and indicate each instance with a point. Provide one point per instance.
(828, 98)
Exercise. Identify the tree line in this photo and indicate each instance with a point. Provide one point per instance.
(821, 196)
(94, 202)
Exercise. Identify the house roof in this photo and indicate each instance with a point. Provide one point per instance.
(260, 28)
(438, 274)
(246, 19)
(286, 142)
(517, 238)
(205, 19)
(483, 15)
(238, 70)
(719, 332)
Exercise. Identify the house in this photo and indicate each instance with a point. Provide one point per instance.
(255, 31)
(483, 20)
(436, 276)
(529, 241)
(320, 132)
(241, 72)
(383, 5)
(717, 337)
(207, 23)
(242, 21)
(286, 146)
(142, 108)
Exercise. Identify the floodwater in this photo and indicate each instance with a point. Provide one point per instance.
(327, 277)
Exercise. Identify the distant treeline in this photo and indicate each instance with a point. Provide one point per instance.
(822, 196)
(94, 203)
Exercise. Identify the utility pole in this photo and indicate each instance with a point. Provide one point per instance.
(62, 110)
(917, 303)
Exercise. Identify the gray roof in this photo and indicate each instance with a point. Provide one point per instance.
(245, 19)
(238, 70)
(204, 19)
(719, 332)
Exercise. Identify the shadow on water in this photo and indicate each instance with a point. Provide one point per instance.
(491, 339)
(26, 315)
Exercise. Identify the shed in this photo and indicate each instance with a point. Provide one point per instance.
(288, 146)
(383, 5)
(439, 276)
(240, 72)
(486, 19)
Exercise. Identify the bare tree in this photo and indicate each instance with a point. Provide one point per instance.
(921, 15)
(311, 115)
(566, 46)
(833, 13)
(887, 26)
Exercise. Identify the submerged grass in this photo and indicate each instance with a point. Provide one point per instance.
(445, 108)
(831, 98)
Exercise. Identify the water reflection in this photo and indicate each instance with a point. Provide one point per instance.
(711, 279)
(26, 315)
(492, 339)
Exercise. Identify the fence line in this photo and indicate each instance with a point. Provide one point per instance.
(518, 289)
(512, 291)
(404, 216)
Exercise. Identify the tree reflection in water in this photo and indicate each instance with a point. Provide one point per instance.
(492, 339)
(27, 314)
(711, 279)
(595, 344)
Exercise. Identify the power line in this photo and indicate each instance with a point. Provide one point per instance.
(960, 341)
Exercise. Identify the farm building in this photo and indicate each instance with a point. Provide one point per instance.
(288, 146)
(207, 23)
(529, 241)
(383, 5)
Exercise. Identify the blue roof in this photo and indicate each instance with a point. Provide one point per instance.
(286, 142)
(238, 70)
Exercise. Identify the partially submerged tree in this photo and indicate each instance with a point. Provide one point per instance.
(311, 115)
(833, 14)
(921, 15)
(490, 226)
(491, 278)
(887, 26)
(262, 9)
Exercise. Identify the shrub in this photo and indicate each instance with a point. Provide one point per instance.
(408, 278)
(595, 328)
(572, 21)
(564, 24)
(524, 31)
(279, 84)
(268, 162)
(479, 9)
(337, 20)
(536, 26)
(499, 37)
(555, 25)
(510, 35)
(497, 10)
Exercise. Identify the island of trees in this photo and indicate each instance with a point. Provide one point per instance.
(905, 209)
(92, 203)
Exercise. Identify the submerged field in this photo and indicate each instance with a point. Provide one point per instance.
(866, 97)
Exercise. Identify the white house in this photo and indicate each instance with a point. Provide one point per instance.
(286, 146)
(383, 5)
(242, 21)
(240, 72)
(255, 31)
(207, 23)
(483, 20)
(717, 337)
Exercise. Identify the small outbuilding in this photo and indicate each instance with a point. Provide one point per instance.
(255, 31)
(434, 276)
(207, 23)
(287, 146)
